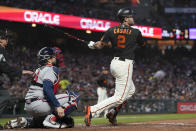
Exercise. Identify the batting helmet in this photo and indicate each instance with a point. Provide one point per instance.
(124, 12)
(44, 54)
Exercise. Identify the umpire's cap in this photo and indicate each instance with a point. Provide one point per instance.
(3, 34)
(125, 12)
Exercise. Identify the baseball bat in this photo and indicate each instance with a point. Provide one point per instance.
(67, 34)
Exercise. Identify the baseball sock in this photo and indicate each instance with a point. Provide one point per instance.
(118, 108)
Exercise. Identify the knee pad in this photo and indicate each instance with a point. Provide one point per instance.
(69, 108)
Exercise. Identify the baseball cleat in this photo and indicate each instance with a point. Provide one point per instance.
(112, 118)
(88, 115)
(19, 122)
(22, 122)
(8, 125)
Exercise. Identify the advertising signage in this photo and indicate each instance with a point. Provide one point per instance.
(41, 17)
(175, 34)
(152, 32)
(186, 107)
(192, 33)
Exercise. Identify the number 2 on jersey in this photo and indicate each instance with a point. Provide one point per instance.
(121, 41)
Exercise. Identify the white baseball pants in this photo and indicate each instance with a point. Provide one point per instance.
(124, 87)
(42, 107)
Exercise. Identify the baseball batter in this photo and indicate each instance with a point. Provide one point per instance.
(124, 40)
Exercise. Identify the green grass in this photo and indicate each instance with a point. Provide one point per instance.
(128, 118)
(138, 118)
(4, 120)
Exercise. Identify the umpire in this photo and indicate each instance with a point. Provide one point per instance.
(4, 66)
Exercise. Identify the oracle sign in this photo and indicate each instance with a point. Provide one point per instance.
(37, 17)
(40, 17)
(152, 32)
(94, 24)
(186, 107)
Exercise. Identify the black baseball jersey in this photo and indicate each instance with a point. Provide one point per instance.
(102, 80)
(6, 68)
(124, 39)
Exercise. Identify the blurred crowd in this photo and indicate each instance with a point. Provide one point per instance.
(149, 12)
(155, 76)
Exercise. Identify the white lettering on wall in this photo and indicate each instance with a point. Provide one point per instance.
(146, 31)
(38, 17)
(94, 24)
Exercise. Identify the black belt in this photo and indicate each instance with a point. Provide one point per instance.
(36, 84)
(121, 58)
(29, 101)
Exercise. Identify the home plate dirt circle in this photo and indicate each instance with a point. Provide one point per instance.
(165, 125)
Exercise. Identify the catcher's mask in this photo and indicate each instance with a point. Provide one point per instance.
(44, 54)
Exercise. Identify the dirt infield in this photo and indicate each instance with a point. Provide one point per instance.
(166, 125)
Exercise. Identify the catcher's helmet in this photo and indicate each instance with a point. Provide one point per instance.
(124, 12)
(44, 54)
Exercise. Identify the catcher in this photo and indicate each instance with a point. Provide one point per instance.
(46, 108)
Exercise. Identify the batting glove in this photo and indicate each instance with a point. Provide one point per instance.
(91, 45)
